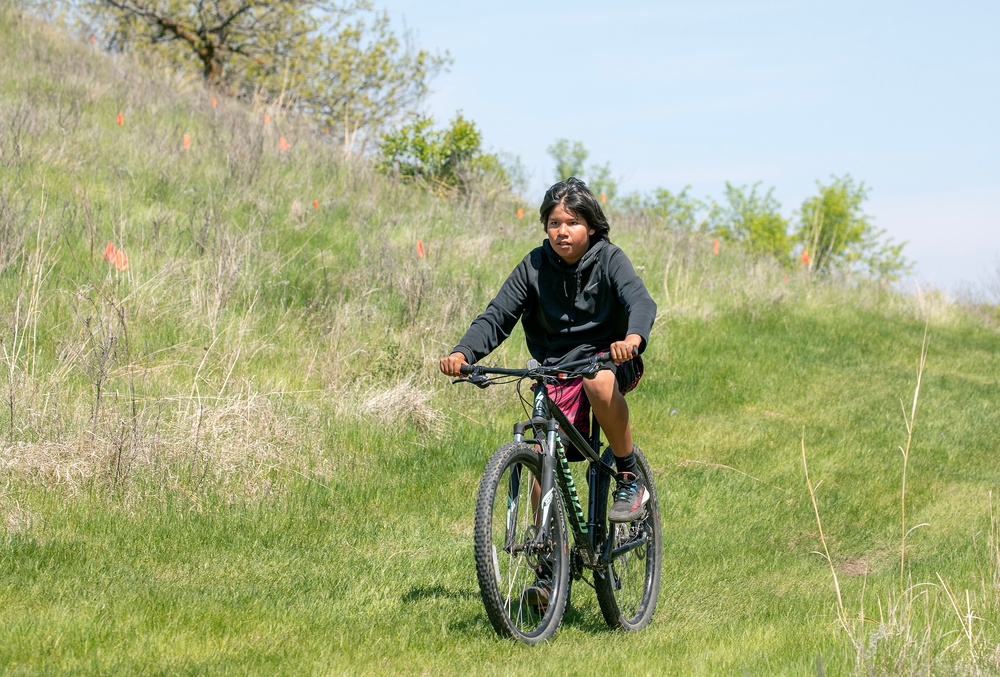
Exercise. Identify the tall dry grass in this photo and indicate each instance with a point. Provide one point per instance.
(250, 328)
(251, 325)
(918, 627)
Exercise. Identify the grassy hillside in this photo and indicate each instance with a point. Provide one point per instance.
(236, 455)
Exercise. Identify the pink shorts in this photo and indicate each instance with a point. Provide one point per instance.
(570, 397)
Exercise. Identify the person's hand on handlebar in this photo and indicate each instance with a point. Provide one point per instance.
(623, 351)
(450, 365)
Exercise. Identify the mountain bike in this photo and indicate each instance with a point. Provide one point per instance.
(527, 497)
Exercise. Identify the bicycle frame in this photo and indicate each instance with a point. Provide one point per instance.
(546, 421)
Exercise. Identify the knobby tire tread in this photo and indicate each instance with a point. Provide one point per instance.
(504, 457)
(606, 594)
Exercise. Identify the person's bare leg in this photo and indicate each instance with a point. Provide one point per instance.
(536, 498)
(612, 413)
(611, 410)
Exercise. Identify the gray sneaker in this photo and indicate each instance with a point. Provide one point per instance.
(631, 497)
(538, 593)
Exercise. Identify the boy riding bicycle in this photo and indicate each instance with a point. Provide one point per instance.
(576, 295)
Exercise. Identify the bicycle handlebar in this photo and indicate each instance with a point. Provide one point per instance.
(563, 370)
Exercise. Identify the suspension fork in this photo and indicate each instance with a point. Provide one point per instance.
(548, 479)
(540, 421)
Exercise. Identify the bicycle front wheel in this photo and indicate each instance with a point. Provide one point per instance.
(630, 586)
(524, 583)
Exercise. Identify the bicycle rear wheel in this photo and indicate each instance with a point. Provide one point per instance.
(507, 557)
(629, 588)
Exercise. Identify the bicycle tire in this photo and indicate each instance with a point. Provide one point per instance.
(504, 519)
(629, 589)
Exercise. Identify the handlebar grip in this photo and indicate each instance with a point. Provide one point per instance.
(606, 355)
(465, 369)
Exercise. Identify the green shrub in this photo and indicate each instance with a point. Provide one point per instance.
(450, 159)
(836, 233)
(753, 220)
(677, 211)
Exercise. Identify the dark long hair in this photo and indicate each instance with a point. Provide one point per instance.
(574, 196)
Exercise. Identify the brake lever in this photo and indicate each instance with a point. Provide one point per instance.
(477, 380)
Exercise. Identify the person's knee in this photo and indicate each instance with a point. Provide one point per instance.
(600, 390)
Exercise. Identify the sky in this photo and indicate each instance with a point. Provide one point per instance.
(903, 96)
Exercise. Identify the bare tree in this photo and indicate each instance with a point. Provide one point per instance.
(341, 64)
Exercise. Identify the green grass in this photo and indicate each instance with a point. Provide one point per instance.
(275, 479)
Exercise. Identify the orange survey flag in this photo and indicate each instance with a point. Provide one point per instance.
(121, 120)
(805, 257)
(187, 141)
(420, 249)
(520, 213)
(116, 257)
(283, 144)
(715, 247)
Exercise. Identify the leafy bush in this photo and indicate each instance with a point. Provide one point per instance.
(753, 220)
(836, 233)
(569, 157)
(677, 211)
(450, 159)
(832, 228)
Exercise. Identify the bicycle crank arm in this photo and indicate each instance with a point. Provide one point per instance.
(632, 545)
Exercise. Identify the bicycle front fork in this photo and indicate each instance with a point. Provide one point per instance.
(547, 480)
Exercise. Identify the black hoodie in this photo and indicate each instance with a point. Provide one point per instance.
(568, 312)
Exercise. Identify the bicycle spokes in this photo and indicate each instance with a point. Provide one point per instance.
(523, 574)
(515, 557)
